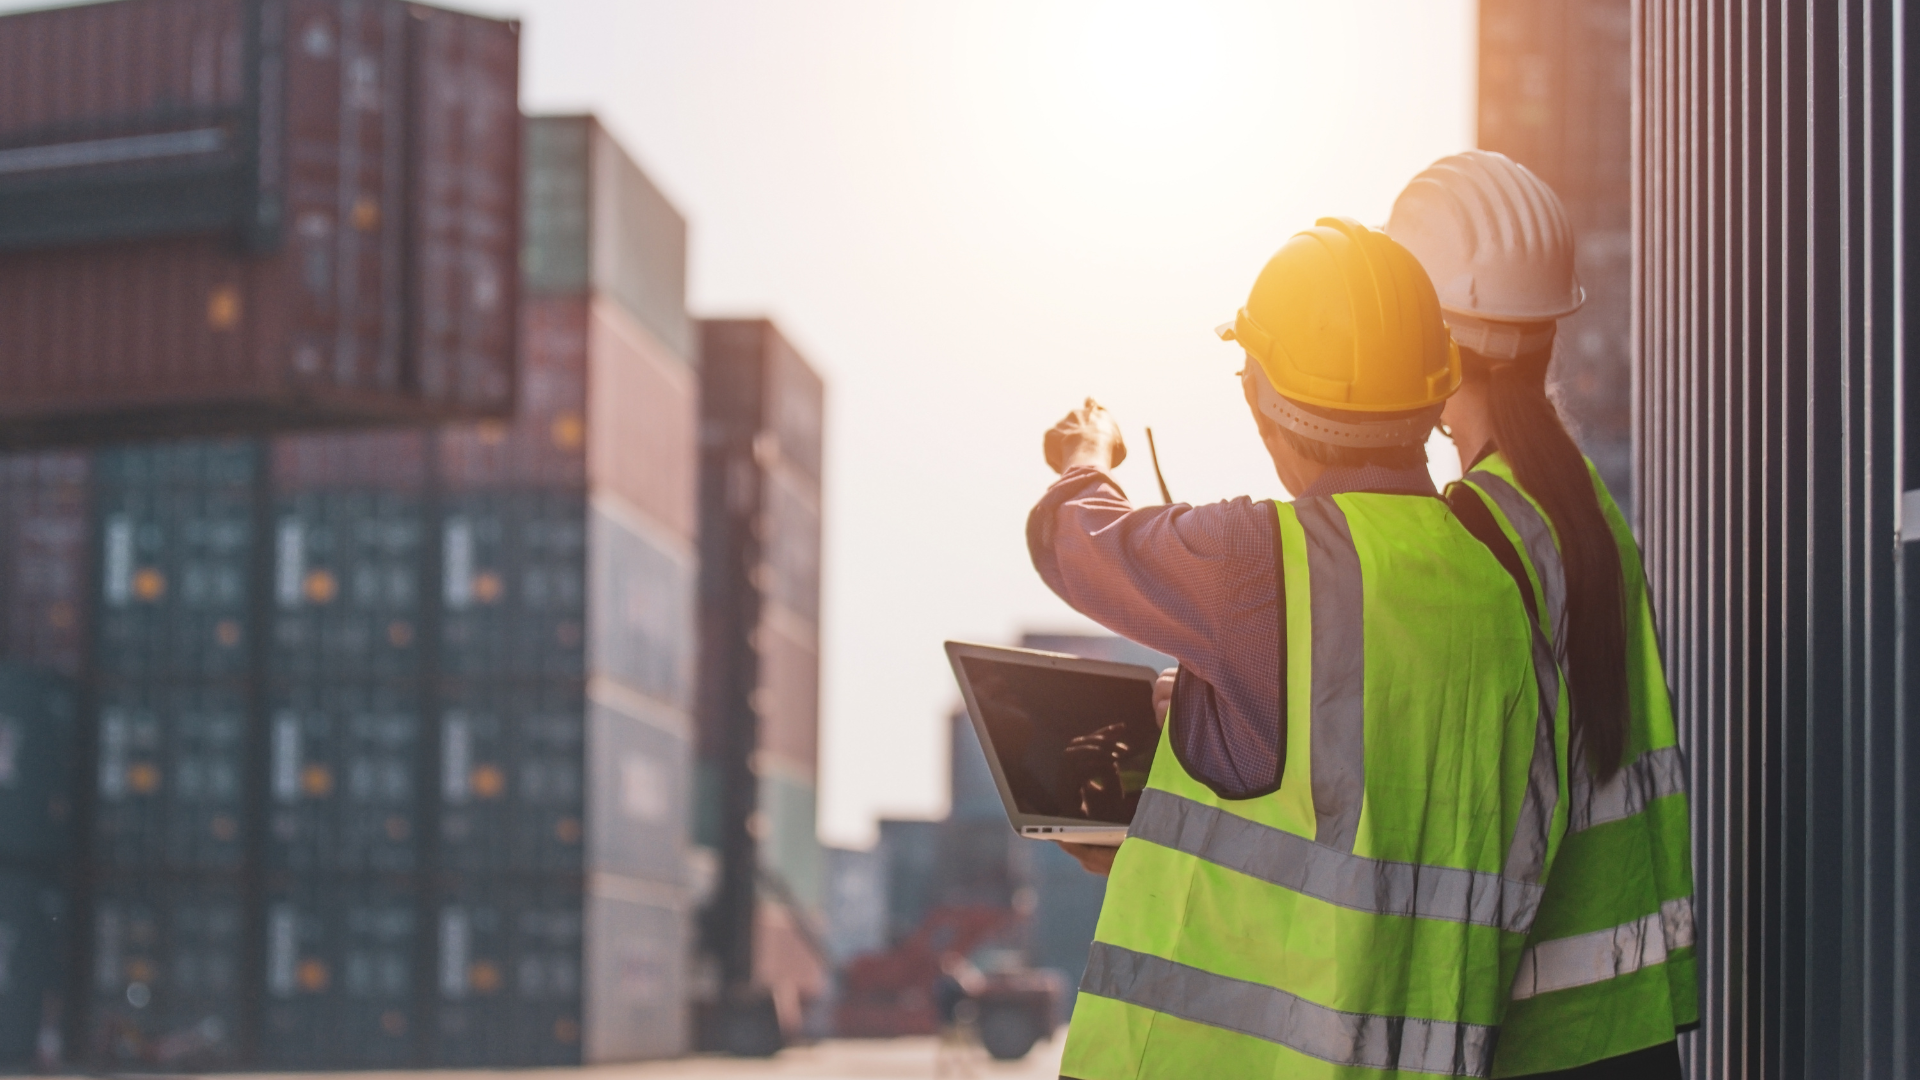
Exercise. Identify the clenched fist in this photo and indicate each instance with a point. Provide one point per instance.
(1086, 436)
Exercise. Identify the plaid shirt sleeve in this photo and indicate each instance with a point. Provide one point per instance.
(1195, 582)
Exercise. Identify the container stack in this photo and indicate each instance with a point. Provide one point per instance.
(166, 876)
(340, 716)
(762, 414)
(567, 570)
(390, 731)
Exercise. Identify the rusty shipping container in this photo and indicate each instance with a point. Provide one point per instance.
(1776, 252)
(220, 216)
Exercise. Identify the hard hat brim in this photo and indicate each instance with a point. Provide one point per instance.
(1579, 301)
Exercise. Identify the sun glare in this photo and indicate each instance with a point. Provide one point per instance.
(1137, 63)
(1104, 101)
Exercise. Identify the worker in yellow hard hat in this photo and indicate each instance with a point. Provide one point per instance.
(1609, 973)
(1359, 790)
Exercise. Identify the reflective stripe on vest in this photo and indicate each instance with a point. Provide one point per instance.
(1339, 702)
(1647, 777)
(1652, 775)
(1264, 1012)
(1339, 672)
(1278, 857)
(1542, 552)
(1500, 904)
(1585, 959)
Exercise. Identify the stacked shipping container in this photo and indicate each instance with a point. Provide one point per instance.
(166, 880)
(391, 730)
(762, 410)
(43, 530)
(37, 725)
(241, 214)
(567, 571)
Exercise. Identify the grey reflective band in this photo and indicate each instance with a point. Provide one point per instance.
(1542, 552)
(1339, 721)
(1363, 1040)
(1293, 862)
(1586, 959)
(1366, 434)
(1653, 775)
(1527, 856)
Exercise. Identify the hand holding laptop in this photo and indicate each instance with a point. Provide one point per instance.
(1098, 858)
(1069, 740)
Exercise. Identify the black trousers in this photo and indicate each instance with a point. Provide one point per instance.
(1654, 1063)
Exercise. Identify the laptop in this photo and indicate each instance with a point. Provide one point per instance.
(1069, 740)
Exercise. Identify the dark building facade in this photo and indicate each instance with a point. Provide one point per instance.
(1555, 96)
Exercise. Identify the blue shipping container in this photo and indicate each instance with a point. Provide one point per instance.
(33, 939)
(36, 764)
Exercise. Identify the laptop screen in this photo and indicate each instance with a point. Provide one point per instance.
(1073, 744)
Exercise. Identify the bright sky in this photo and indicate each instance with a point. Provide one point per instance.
(972, 214)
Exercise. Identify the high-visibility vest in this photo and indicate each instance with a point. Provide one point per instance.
(1610, 966)
(1368, 913)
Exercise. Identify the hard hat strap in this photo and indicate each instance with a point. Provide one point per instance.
(1499, 340)
(1365, 434)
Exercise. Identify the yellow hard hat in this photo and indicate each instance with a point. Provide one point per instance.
(1343, 317)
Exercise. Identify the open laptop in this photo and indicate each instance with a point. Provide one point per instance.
(1069, 739)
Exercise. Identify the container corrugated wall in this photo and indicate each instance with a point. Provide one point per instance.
(1774, 277)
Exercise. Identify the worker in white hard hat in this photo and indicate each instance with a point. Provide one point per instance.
(1608, 978)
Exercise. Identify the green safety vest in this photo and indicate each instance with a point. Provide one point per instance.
(1368, 915)
(1610, 966)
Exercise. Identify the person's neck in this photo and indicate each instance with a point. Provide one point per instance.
(1470, 419)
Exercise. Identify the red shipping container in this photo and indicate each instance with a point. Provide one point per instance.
(544, 445)
(323, 223)
(642, 420)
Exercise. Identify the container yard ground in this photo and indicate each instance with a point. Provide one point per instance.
(835, 1059)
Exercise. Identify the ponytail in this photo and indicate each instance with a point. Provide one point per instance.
(1528, 432)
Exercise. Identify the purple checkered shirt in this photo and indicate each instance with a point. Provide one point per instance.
(1196, 583)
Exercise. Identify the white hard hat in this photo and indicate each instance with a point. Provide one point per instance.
(1496, 242)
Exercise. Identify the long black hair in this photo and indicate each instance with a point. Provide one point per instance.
(1529, 433)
